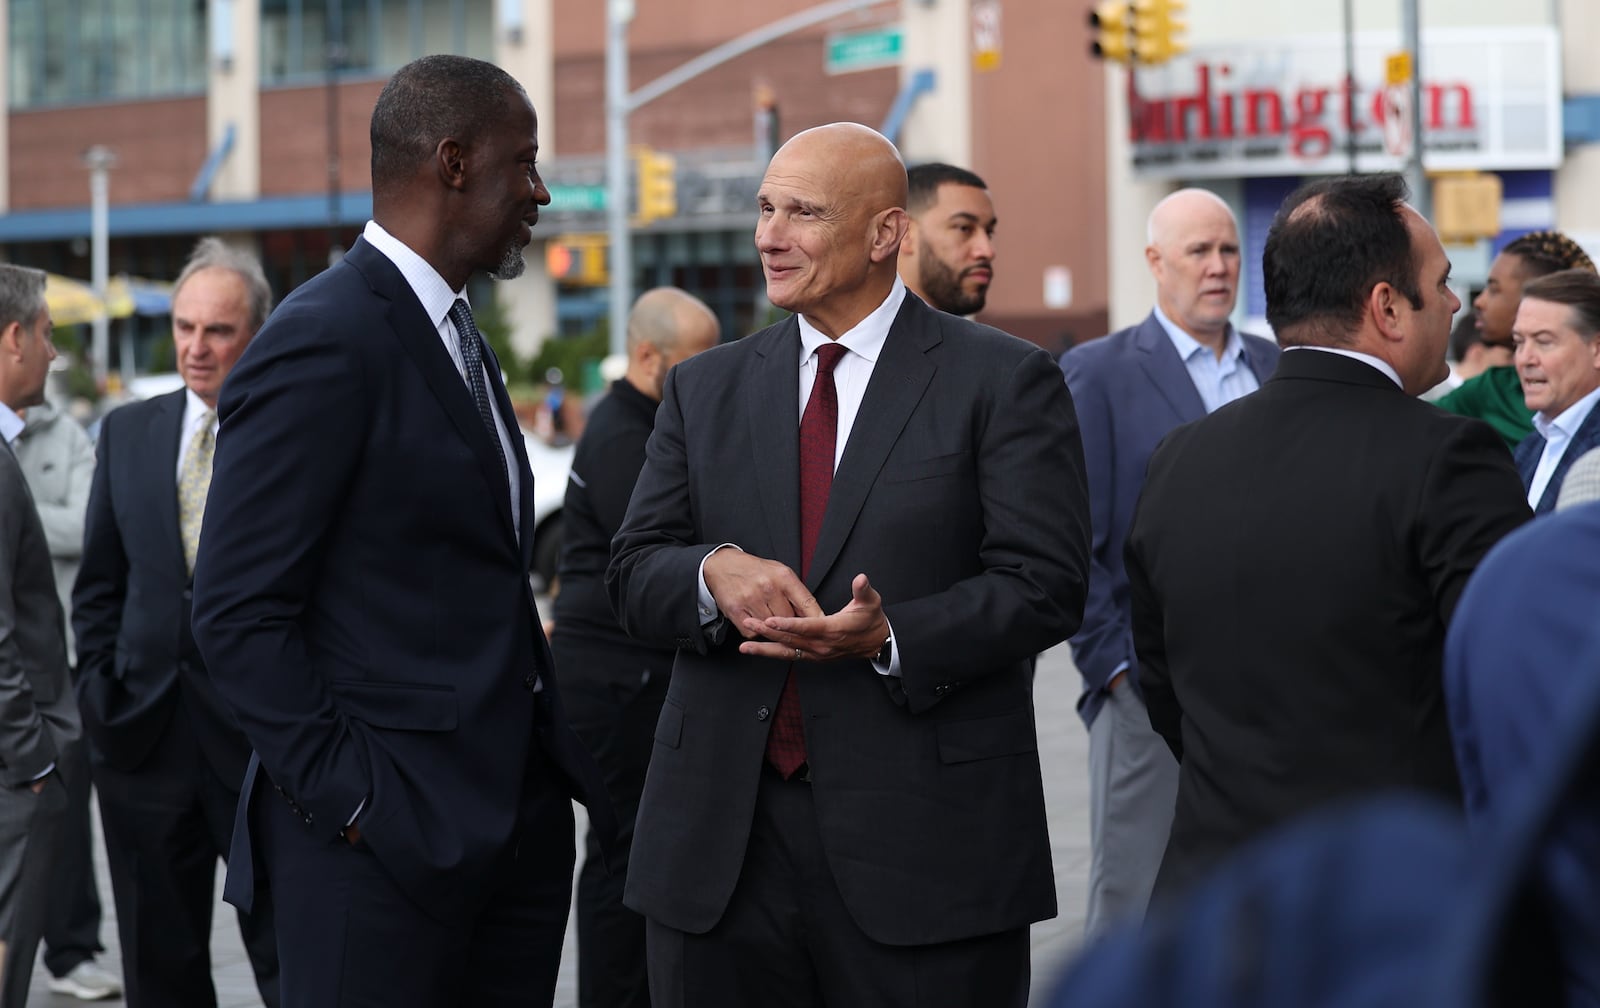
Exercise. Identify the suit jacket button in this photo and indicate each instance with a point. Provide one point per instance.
(763, 712)
(188, 595)
(530, 680)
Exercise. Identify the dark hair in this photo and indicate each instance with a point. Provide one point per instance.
(428, 100)
(924, 180)
(1578, 289)
(1331, 242)
(1464, 335)
(1546, 252)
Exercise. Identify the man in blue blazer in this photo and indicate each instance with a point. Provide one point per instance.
(1132, 387)
(363, 597)
(1557, 339)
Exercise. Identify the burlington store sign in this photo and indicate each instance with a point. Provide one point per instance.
(1491, 99)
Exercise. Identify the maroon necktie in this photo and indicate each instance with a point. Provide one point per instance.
(819, 433)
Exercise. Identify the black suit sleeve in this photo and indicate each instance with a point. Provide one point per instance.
(99, 592)
(1148, 621)
(1034, 552)
(1472, 497)
(654, 560)
(294, 421)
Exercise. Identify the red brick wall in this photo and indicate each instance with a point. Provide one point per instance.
(294, 138)
(160, 146)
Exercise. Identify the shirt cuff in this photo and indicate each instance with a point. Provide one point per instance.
(47, 771)
(893, 668)
(706, 604)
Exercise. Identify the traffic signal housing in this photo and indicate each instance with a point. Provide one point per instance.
(658, 184)
(1158, 32)
(1112, 22)
(578, 260)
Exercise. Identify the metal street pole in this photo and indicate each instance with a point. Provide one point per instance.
(618, 14)
(1416, 179)
(99, 160)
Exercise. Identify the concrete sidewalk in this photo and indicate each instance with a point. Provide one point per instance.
(1064, 750)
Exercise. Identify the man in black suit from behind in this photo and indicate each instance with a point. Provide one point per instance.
(1296, 555)
(168, 755)
(844, 804)
(615, 685)
(363, 597)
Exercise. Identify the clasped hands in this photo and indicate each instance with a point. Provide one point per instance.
(780, 618)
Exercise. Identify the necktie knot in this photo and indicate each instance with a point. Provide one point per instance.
(828, 357)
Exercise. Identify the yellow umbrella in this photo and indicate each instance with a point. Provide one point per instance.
(71, 301)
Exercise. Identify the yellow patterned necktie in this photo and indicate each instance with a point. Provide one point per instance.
(194, 481)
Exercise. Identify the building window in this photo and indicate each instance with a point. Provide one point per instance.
(373, 36)
(104, 50)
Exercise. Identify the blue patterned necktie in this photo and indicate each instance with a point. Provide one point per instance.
(472, 359)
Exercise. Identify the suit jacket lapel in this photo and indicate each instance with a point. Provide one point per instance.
(420, 337)
(899, 380)
(1586, 437)
(772, 401)
(1160, 361)
(166, 445)
(519, 456)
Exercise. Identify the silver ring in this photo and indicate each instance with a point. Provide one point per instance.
(796, 654)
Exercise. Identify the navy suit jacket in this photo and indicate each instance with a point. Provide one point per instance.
(361, 595)
(1130, 389)
(1532, 446)
(960, 494)
(137, 659)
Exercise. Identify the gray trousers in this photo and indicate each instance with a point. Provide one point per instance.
(1133, 784)
(28, 826)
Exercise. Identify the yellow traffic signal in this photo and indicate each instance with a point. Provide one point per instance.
(658, 184)
(1157, 30)
(578, 259)
(1112, 22)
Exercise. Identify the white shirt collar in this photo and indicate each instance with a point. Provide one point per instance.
(10, 424)
(1367, 359)
(1186, 345)
(425, 281)
(866, 337)
(1569, 420)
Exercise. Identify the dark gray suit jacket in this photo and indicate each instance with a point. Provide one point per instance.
(961, 495)
(38, 718)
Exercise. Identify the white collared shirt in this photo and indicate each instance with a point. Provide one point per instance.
(1218, 380)
(850, 376)
(194, 409)
(437, 299)
(1557, 435)
(10, 424)
(1377, 363)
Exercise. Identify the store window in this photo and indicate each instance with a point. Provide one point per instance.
(104, 50)
(371, 36)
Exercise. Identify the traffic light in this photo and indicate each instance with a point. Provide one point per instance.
(1157, 30)
(658, 184)
(578, 259)
(1112, 22)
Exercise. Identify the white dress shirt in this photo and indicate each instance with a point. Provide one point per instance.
(437, 298)
(10, 424)
(1557, 435)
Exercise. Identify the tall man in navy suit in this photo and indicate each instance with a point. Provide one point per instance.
(844, 803)
(1557, 340)
(1183, 361)
(363, 594)
(167, 753)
